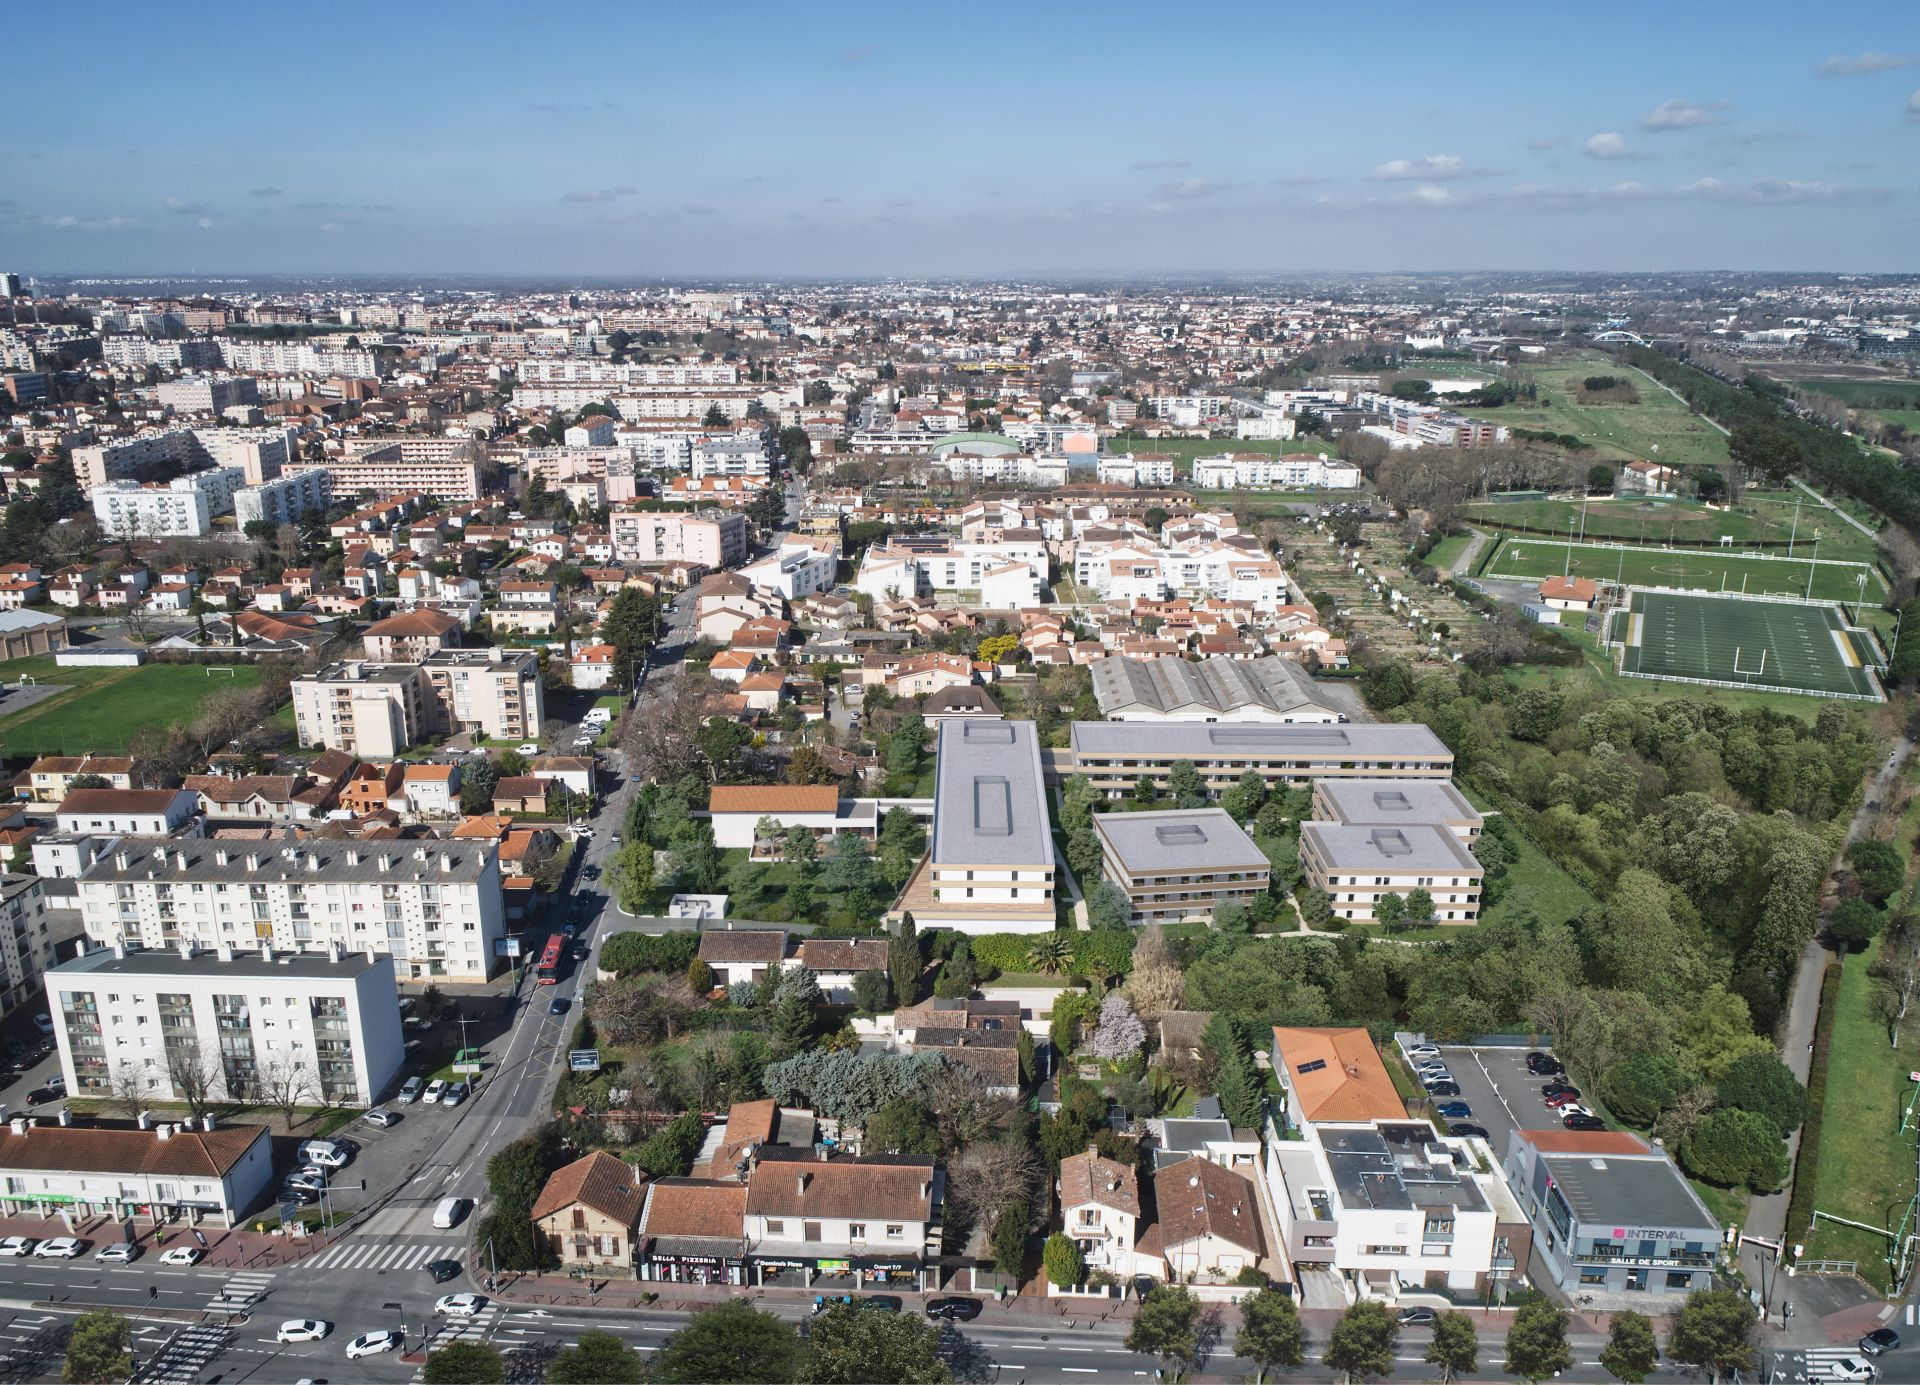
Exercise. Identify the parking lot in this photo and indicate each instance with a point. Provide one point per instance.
(1504, 1096)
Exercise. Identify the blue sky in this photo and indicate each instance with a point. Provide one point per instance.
(853, 140)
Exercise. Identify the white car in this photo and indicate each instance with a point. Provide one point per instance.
(460, 1305)
(583, 742)
(44, 1023)
(60, 1248)
(17, 1245)
(302, 1330)
(381, 1117)
(1852, 1368)
(410, 1090)
(528, 749)
(119, 1253)
(182, 1255)
(1421, 1052)
(372, 1344)
(330, 1159)
(435, 1090)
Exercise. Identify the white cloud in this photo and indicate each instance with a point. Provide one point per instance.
(1913, 104)
(265, 192)
(183, 208)
(699, 209)
(1842, 66)
(1608, 145)
(1432, 195)
(1192, 190)
(1433, 166)
(1680, 115)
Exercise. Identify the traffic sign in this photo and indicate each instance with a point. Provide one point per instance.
(584, 1059)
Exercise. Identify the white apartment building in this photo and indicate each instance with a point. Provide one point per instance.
(1139, 569)
(593, 431)
(284, 499)
(711, 538)
(796, 570)
(375, 711)
(127, 812)
(991, 865)
(181, 508)
(891, 572)
(26, 945)
(1024, 468)
(434, 907)
(259, 453)
(1136, 469)
(1191, 410)
(240, 1024)
(296, 358)
(137, 353)
(560, 371)
(1257, 471)
(395, 467)
(731, 454)
(1356, 864)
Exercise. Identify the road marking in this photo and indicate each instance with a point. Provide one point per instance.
(1080, 1370)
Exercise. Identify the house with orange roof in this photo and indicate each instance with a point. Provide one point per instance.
(733, 665)
(587, 1216)
(592, 666)
(1570, 593)
(372, 788)
(736, 810)
(1333, 1075)
(763, 691)
(433, 790)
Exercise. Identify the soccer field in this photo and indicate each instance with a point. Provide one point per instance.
(1728, 640)
(1713, 570)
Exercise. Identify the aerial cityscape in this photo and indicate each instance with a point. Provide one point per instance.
(800, 721)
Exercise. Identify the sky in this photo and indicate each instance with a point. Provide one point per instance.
(1038, 139)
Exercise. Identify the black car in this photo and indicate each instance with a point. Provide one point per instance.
(1443, 1089)
(880, 1303)
(300, 1193)
(953, 1309)
(1466, 1129)
(40, 1095)
(1584, 1123)
(590, 872)
(559, 1005)
(1544, 1065)
(443, 1270)
(1554, 1089)
(1881, 1339)
(1416, 1317)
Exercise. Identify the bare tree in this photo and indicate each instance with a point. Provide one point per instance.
(964, 1108)
(1679, 1119)
(987, 1178)
(663, 733)
(1896, 972)
(285, 1083)
(192, 1074)
(127, 1091)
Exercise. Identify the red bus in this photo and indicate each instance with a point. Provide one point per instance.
(547, 970)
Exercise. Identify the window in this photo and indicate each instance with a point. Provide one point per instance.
(895, 1230)
(776, 1228)
(856, 1231)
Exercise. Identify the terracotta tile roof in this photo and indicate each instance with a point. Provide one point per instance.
(844, 954)
(88, 1149)
(748, 1123)
(429, 773)
(411, 623)
(484, 826)
(217, 788)
(743, 945)
(1569, 588)
(519, 787)
(110, 801)
(606, 1184)
(774, 798)
(1196, 1198)
(811, 1187)
(1088, 1178)
(1344, 1079)
(695, 1207)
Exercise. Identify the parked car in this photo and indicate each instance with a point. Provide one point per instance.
(1557, 1099)
(1584, 1122)
(16, 1245)
(558, 1005)
(435, 1090)
(1421, 1052)
(300, 1193)
(1880, 1340)
(455, 1093)
(1468, 1130)
(528, 749)
(1443, 1089)
(119, 1253)
(372, 1344)
(1416, 1317)
(44, 1023)
(1852, 1368)
(953, 1309)
(880, 1303)
(182, 1255)
(39, 1096)
(60, 1248)
(410, 1090)
(1544, 1065)
(381, 1117)
(1453, 1110)
(1560, 1089)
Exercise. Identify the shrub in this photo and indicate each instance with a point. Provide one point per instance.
(630, 952)
(1065, 1265)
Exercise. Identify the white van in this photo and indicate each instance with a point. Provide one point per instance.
(447, 1215)
(325, 1153)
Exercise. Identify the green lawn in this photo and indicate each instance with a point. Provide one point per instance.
(1533, 881)
(1865, 1169)
(1727, 639)
(1447, 552)
(1595, 676)
(1686, 523)
(1700, 569)
(1657, 427)
(105, 708)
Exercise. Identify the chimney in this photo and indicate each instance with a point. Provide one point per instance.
(370, 954)
(66, 1117)
(802, 1181)
(18, 1125)
(186, 951)
(119, 948)
(385, 862)
(163, 1130)
(226, 952)
(121, 860)
(313, 864)
(266, 950)
(206, 1122)
(253, 860)
(180, 860)
(144, 1120)
(353, 857)
(333, 952)
(446, 864)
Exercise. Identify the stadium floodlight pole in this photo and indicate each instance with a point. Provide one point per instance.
(1796, 523)
(1814, 563)
(1567, 571)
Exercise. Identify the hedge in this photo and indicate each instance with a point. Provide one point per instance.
(1108, 950)
(626, 953)
(1806, 1166)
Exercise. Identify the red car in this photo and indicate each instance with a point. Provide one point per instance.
(1559, 1099)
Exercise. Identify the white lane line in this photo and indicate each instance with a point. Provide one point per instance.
(1080, 1370)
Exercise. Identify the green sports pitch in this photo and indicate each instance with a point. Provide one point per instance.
(1733, 641)
(1695, 569)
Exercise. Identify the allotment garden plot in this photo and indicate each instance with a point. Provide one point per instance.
(1701, 569)
(1731, 641)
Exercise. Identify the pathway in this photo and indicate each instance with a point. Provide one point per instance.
(1711, 423)
(1462, 566)
(1870, 533)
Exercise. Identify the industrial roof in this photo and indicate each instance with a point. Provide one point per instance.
(1416, 846)
(1221, 686)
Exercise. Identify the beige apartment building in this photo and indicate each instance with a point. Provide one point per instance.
(1180, 864)
(392, 469)
(375, 710)
(711, 538)
(1356, 865)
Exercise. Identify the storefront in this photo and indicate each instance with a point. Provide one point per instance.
(839, 1274)
(681, 1260)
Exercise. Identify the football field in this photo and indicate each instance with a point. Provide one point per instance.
(1734, 642)
(1699, 569)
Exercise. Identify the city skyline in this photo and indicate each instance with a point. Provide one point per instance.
(860, 141)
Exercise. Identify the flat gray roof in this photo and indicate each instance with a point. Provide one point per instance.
(1179, 838)
(310, 861)
(162, 962)
(1611, 1190)
(1387, 1167)
(1395, 802)
(989, 802)
(1256, 740)
(1416, 846)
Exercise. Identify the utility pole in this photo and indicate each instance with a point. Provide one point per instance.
(1812, 565)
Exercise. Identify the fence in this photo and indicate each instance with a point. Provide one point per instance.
(1619, 648)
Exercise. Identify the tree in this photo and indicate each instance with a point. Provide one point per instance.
(1271, 1335)
(1639, 1088)
(1419, 906)
(99, 1349)
(464, 1363)
(1156, 984)
(1010, 1240)
(1050, 953)
(1537, 1342)
(1713, 1332)
(284, 1083)
(808, 766)
(192, 1074)
(1761, 1083)
(1185, 785)
(1119, 1034)
(1877, 866)
(1455, 1348)
(732, 1342)
(852, 1344)
(1390, 910)
(1735, 1149)
(796, 1010)
(1364, 1342)
(1064, 1264)
(905, 962)
(1246, 798)
(1765, 447)
(1855, 922)
(901, 1127)
(1599, 478)
(871, 992)
(1108, 907)
(1630, 1353)
(1167, 1325)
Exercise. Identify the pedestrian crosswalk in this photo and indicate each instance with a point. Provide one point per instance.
(360, 1254)
(1816, 1363)
(185, 1354)
(473, 1329)
(240, 1292)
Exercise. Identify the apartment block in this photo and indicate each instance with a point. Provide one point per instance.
(240, 1025)
(26, 942)
(1117, 755)
(435, 908)
(991, 864)
(376, 710)
(1258, 471)
(396, 468)
(284, 499)
(296, 358)
(710, 538)
(208, 394)
(137, 353)
(493, 691)
(1356, 865)
(1180, 864)
(181, 508)
(259, 453)
(1396, 803)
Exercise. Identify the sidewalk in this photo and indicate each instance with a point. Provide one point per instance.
(235, 1249)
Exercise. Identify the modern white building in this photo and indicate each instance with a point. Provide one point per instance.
(296, 358)
(1136, 469)
(731, 454)
(1258, 471)
(284, 499)
(435, 907)
(208, 394)
(235, 1025)
(26, 942)
(181, 508)
(888, 573)
(127, 812)
(991, 866)
(260, 453)
(797, 569)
